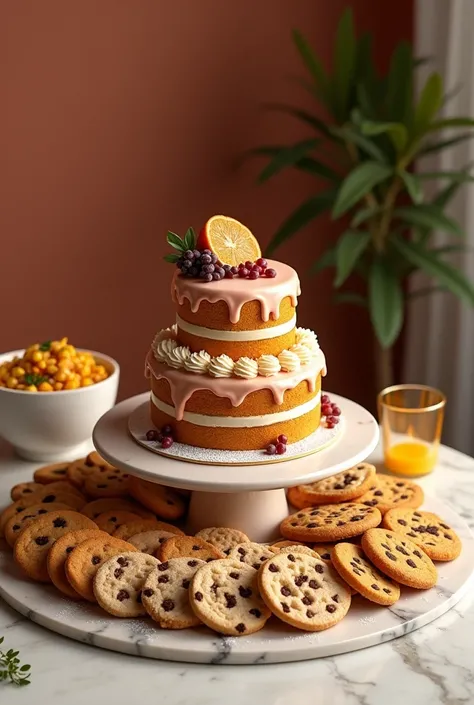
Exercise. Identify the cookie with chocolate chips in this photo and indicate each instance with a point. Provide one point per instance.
(390, 492)
(224, 595)
(130, 528)
(343, 487)
(163, 501)
(99, 506)
(23, 489)
(332, 522)
(282, 543)
(191, 546)
(357, 571)
(165, 594)
(399, 558)
(119, 582)
(150, 541)
(111, 520)
(59, 553)
(111, 482)
(223, 538)
(32, 546)
(251, 553)
(437, 539)
(51, 473)
(21, 520)
(303, 591)
(43, 496)
(85, 560)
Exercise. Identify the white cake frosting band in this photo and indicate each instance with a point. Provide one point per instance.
(239, 421)
(237, 335)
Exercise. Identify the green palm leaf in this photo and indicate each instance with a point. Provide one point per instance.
(300, 217)
(358, 183)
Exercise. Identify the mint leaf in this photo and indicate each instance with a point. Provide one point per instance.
(190, 239)
(46, 345)
(171, 258)
(175, 241)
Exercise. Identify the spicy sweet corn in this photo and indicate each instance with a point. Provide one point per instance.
(52, 366)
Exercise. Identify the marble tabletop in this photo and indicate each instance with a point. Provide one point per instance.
(434, 665)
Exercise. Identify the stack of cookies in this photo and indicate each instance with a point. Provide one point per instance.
(100, 535)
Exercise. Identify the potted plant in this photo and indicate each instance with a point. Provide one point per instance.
(364, 137)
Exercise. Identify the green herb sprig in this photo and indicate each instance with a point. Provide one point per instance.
(10, 668)
(45, 346)
(180, 244)
(35, 379)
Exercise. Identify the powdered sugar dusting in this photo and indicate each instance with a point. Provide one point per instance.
(318, 440)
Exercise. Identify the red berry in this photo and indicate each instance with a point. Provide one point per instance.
(253, 274)
(282, 439)
(228, 274)
(234, 270)
(167, 442)
(326, 409)
(167, 430)
(329, 424)
(243, 273)
(325, 399)
(336, 410)
(270, 273)
(241, 265)
(280, 448)
(333, 419)
(249, 264)
(262, 263)
(271, 449)
(153, 435)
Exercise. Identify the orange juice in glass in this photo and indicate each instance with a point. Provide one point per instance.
(411, 417)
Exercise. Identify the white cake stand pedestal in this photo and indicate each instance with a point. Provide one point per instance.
(250, 497)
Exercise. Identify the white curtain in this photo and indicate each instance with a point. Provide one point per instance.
(440, 341)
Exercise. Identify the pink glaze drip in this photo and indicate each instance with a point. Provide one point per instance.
(184, 384)
(236, 292)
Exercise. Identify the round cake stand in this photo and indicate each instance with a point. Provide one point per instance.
(251, 497)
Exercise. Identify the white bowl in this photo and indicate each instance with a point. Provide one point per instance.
(55, 426)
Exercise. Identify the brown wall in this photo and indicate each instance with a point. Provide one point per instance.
(122, 119)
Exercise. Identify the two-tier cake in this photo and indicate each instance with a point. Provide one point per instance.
(235, 372)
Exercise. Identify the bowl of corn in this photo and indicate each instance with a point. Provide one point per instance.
(51, 396)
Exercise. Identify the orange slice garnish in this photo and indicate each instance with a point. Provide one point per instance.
(231, 241)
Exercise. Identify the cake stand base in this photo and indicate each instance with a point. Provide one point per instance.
(258, 514)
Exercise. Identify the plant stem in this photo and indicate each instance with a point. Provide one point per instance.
(383, 366)
(381, 233)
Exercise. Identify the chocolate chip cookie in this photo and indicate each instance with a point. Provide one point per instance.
(23, 489)
(59, 553)
(399, 558)
(163, 501)
(111, 520)
(150, 541)
(165, 594)
(343, 487)
(357, 571)
(139, 525)
(20, 521)
(32, 546)
(99, 506)
(51, 473)
(332, 522)
(438, 540)
(191, 546)
(224, 595)
(251, 553)
(85, 560)
(119, 582)
(223, 538)
(303, 591)
(107, 483)
(390, 492)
